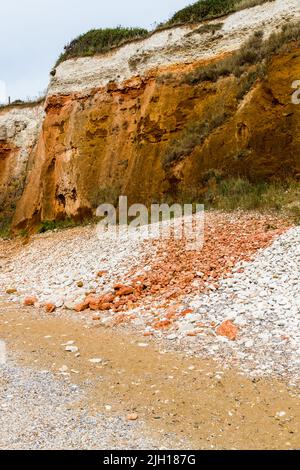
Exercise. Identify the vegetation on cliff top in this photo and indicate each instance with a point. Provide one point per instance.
(98, 41)
(208, 9)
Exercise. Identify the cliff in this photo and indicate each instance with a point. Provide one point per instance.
(19, 131)
(110, 120)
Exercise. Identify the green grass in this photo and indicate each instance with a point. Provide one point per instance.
(50, 225)
(206, 28)
(230, 194)
(247, 81)
(209, 9)
(98, 41)
(5, 224)
(255, 52)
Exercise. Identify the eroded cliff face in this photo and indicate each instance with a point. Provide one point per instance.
(261, 138)
(109, 121)
(19, 132)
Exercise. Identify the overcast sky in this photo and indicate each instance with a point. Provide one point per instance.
(34, 32)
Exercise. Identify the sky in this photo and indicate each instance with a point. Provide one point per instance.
(34, 32)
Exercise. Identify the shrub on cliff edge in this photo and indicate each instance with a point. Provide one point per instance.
(208, 9)
(98, 41)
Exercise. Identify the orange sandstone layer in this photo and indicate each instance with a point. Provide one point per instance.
(111, 141)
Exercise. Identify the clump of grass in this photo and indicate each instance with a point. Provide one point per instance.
(244, 4)
(234, 193)
(50, 225)
(68, 222)
(206, 28)
(247, 81)
(193, 135)
(255, 52)
(165, 78)
(230, 194)
(99, 41)
(208, 9)
(5, 227)
(24, 233)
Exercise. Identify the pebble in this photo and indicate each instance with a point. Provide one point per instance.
(132, 417)
(96, 360)
(263, 324)
(42, 416)
(261, 297)
(280, 414)
(171, 337)
(72, 349)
